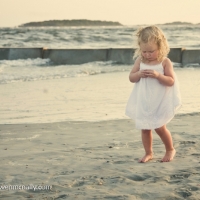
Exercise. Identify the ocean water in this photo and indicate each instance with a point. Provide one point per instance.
(93, 37)
(38, 91)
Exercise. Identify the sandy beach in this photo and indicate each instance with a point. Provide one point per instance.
(63, 129)
(98, 160)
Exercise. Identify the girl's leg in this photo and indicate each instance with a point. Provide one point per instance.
(147, 139)
(166, 137)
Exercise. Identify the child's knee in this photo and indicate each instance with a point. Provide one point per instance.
(161, 129)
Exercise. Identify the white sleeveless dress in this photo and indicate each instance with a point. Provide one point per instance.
(152, 104)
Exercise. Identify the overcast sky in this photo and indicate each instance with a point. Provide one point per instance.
(127, 12)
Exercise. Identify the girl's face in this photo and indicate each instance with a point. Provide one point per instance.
(149, 51)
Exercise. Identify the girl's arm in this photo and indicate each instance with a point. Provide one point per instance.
(168, 77)
(136, 73)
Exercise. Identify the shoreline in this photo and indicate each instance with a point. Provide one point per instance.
(89, 160)
(84, 98)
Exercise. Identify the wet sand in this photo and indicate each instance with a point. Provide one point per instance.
(98, 160)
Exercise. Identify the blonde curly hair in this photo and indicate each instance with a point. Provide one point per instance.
(152, 34)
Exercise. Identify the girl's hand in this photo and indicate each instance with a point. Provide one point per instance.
(142, 74)
(151, 73)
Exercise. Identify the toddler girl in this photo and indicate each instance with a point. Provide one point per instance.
(155, 96)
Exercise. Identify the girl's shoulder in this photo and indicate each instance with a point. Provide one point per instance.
(166, 62)
(138, 59)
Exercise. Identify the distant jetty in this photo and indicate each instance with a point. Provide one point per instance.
(81, 22)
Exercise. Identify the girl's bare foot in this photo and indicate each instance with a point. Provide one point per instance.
(169, 155)
(146, 158)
